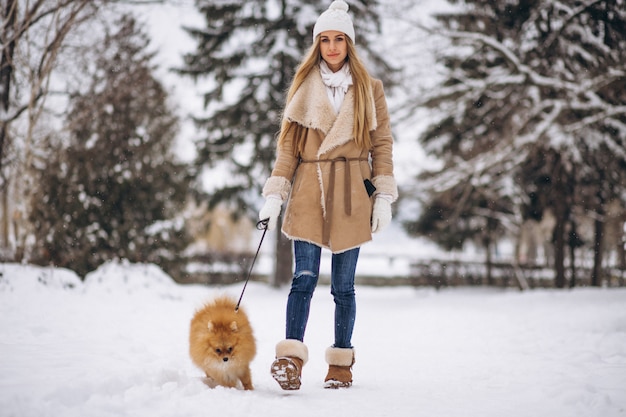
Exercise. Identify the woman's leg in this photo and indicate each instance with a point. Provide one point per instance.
(307, 256)
(342, 289)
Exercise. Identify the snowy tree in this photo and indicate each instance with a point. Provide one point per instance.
(247, 55)
(116, 190)
(36, 37)
(32, 35)
(527, 78)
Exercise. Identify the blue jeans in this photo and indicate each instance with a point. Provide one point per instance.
(307, 256)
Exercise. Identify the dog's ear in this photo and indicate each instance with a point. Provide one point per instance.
(233, 326)
(210, 326)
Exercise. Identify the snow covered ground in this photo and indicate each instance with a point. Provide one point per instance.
(116, 345)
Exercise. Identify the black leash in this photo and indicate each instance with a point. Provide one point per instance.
(261, 225)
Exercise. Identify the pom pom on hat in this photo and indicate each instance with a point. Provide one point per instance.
(339, 5)
(335, 18)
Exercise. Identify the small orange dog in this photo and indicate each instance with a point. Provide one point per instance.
(222, 344)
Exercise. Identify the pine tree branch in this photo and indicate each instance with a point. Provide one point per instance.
(609, 112)
(534, 77)
(576, 12)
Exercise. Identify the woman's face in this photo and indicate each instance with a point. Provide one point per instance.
(334, 48)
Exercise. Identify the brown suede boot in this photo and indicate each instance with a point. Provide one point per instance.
(340, 361)
(291, 355)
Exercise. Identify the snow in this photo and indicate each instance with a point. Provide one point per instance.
(116, 345)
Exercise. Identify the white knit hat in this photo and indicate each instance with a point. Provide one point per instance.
(335, 18)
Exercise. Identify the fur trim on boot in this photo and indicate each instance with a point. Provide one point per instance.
(291, 355)
(340, 361)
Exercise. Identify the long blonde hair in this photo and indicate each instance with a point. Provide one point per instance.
(362, 97)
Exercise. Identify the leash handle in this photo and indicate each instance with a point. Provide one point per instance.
(261, 225)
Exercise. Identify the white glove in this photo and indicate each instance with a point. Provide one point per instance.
(271, 210)
(381, 214)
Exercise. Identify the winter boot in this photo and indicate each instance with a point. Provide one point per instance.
(291, 355)
(340, 361)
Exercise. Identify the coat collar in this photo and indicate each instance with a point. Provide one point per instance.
(311, 108)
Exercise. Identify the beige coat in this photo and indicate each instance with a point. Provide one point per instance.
(328, 204)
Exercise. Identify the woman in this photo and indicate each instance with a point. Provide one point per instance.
(335, 137)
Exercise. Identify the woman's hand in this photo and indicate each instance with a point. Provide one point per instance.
(381, 214)
(271, 210)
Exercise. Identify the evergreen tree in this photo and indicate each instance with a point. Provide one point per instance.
(527, 78)
(113, 192)
(248, 52)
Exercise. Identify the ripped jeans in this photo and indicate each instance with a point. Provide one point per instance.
(307, 257)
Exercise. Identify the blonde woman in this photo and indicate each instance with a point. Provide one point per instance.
(334, 169)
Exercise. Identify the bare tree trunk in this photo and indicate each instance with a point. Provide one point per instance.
(6, 66)
(283, 270)
(596, 272)
(6, 70)
(621, 253)
(4, 243)
(488, 262)
(559, 250)
(572, 254)
(561, 190)
(598, 236)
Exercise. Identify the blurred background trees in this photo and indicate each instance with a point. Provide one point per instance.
(32, 37)
(528, 118)
(88, 172)
(520, 105)
(115, 190)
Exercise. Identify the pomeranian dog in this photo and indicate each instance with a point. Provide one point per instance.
(222, 344)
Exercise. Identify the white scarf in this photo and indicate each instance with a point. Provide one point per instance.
(337, 83)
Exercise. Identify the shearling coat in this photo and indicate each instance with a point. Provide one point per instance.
(328, 204)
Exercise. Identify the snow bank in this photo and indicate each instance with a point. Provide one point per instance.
(15, 277)
(115, 275)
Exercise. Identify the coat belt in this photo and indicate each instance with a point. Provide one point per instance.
(331, 189)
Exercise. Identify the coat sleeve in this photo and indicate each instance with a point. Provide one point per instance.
(279, 183)
(382, 146)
